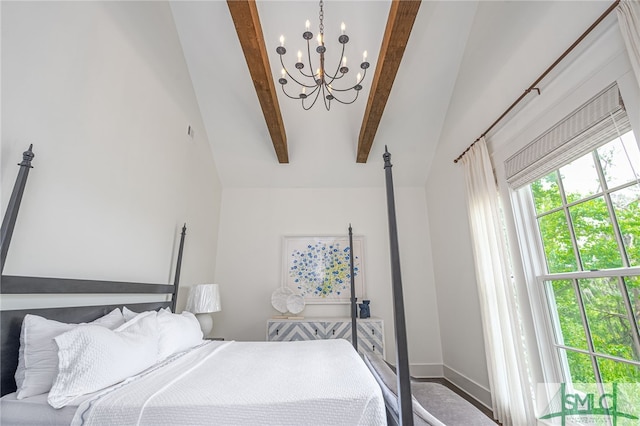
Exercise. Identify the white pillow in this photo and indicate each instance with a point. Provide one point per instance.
(38, 354)
(92, 358)
(129, 314)
(177, 332)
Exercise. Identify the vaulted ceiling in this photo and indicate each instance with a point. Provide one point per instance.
(261, 138)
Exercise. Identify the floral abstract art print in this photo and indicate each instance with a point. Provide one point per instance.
(318, 268)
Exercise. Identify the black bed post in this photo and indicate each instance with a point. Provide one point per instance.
(405, 411)
(9, 221)
(176, 282)
(354, 312)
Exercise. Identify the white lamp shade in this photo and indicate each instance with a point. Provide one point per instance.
(204, 298)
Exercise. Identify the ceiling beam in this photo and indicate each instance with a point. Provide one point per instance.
(399, 24)
(247, 22)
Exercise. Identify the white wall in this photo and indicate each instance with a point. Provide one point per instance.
(249, 269)
(102, 91)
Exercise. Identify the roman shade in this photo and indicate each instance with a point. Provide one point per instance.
(595, 123)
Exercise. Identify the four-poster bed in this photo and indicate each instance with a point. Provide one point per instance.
(401, 413)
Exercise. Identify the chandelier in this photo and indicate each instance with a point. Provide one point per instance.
(313, 84)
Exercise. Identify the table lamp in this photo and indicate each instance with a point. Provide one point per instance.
(203, 300)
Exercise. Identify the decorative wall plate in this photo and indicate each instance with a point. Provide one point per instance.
(279, 299)
(295, 303)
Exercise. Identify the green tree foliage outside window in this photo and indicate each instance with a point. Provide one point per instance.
(588, 215)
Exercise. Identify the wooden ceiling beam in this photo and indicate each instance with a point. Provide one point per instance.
(247, 22)
(402, 15)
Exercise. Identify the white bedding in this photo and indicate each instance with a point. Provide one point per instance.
(35, 410)
(322, 382)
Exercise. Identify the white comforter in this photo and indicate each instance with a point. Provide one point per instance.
(321, 382)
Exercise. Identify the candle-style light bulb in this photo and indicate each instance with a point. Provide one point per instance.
(358, 78)
(281, 40)
(304, 90)
(342, 28)
(307, 25)
(299, 56)
(344, 61)
(364, 56)
(283, 72)
(319, 39)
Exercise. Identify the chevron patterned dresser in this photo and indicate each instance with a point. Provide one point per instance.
(370, 331)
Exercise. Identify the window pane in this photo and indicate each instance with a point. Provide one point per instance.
(618, 159)
(627, 380)
(546, 193)
(594, 233)
(633, 289)
(626, 204)
(606, 312)
(618, 372)
(556, 240)
(571, 331)
(580, 368)
(580, 178)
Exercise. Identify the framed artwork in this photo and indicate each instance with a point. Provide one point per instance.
(317, 268)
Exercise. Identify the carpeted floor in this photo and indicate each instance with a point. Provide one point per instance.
(447, 406)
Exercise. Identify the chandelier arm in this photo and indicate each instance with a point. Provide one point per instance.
(291, 76)
(351, 88)
(288, 95)
(305, 75)
(315, 89)
(344, 90)
(335, 75)
(313, 75)
(312, 104)
(344, 102)
(327, 105)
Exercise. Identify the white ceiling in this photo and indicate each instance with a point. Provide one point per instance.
(456, 51)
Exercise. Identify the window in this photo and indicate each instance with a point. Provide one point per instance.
(584, 224)
(588, 216)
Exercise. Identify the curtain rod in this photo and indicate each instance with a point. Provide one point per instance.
(543, 75)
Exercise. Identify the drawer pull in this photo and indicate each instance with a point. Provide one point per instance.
(333, 332)
(277, 331)
(316, 331)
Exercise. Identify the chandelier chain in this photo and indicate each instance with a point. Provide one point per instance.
(321, 16)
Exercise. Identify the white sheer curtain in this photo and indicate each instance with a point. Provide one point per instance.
(504, 345)
(629, 20)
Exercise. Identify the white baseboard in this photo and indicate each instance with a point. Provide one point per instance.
(426, 371)
(472, 388)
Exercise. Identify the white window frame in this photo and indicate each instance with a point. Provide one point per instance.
(531, 251)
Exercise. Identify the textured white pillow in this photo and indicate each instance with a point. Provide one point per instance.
(92, 358)
(129, 314)
(38, 354)
(177, 332)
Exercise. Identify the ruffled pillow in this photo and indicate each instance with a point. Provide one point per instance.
(38, 354)
(92, 358)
